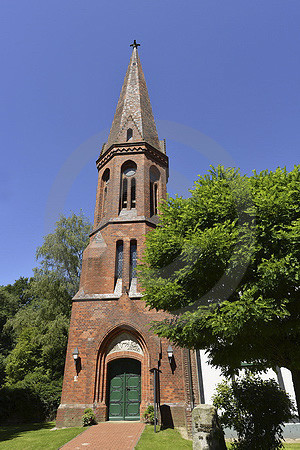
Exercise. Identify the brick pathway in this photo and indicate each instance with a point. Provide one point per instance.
(108, 436)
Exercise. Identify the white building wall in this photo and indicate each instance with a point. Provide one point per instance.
(288, 383)
(212, 376)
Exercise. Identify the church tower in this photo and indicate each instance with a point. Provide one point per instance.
(111, 352)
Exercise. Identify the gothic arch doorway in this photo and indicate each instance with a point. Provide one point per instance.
(121, 343)
(124, 389)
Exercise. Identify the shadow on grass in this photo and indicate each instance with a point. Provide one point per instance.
(166, 417)
(9, 432)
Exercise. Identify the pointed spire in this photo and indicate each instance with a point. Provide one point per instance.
(134, 108)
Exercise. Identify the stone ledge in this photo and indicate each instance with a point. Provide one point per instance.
(111, 296)
(75, 405)
(91, 297)
(152, 221)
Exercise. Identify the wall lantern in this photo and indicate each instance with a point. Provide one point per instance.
(77, 361)
(76, 354)
(170, 354)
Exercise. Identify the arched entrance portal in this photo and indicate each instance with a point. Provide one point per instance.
(124, 389)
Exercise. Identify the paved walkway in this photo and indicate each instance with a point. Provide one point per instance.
(108, 436)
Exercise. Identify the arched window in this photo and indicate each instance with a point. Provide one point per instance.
(128, 186)
(105, 181)
(154, 177)
(133, 258)
(129, 134)
(119, 260)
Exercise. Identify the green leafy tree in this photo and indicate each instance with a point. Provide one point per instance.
(37, 318)
(225, 262)
(12, 298)
(61, 253)
(256, 409)
(25, 357)
(40, 324)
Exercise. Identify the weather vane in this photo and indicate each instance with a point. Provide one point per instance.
(135, 45)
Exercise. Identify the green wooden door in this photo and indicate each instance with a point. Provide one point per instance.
(124, 389)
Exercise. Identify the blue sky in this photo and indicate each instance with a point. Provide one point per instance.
(223, 79)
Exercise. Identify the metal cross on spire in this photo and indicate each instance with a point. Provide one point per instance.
(135, 45)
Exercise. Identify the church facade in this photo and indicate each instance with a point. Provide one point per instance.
(114, 364)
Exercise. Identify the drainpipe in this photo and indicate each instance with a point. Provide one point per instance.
(200, 377)
(190, 379)
(155, 371)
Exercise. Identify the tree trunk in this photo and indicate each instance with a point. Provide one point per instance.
(296, 382)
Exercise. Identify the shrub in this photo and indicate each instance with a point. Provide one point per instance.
(88, 417)
(34, 399)
(46, 390)
(149, 415)
(255, 409)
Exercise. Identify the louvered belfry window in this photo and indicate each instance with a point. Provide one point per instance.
(133, 258)
(119, 259)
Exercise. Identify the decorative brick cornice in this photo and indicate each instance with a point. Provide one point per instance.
(138, 147)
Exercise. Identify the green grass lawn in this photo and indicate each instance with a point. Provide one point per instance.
(163, 440)
(171, 440)
(35, 436)
(39, 436)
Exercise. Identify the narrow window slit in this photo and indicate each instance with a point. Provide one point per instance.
(124, 193)
(133, 259)
(133, 194)
(119, 260)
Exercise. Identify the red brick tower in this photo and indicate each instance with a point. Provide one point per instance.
(110, 322)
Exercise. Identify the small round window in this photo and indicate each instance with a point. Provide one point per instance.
(129, 171)
(129, 168)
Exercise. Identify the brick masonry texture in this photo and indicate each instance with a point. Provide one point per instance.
(101, 312)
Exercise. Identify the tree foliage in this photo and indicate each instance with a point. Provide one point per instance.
(34, 321)
(12, 298)
(256, 409)
(226, 262)
(61, 253)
